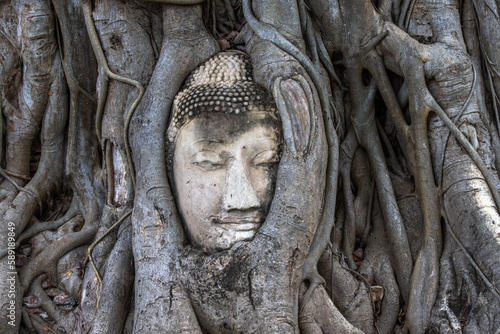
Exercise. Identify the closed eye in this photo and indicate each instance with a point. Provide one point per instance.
(208, 160)
(266, 158)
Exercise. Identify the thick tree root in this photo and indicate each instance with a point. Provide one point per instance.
(157, 232)
(494, 290)
(292, 55)
(105, 75)
(19, 188)
(38, 52)
(49, 225)
(117, 285)
(46, 261)
(98, 240)
(91, 285)
(63, 321)
(318, 319)
(321, 238)
(351, 294)
(377, 267)
(348, 149)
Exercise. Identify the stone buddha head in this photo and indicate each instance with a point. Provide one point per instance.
(224, 142)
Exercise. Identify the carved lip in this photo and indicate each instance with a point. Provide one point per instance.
(237, 223)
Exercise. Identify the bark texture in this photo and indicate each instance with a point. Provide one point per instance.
(385, 217)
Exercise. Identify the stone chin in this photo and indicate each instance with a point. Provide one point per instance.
(225, 235)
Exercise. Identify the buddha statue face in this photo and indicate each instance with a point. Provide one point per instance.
(224, 172)
(225, 144)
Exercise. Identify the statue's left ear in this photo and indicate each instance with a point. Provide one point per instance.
(295, 102)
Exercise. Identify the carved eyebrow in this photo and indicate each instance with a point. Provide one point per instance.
(266, 143)
(209, 141)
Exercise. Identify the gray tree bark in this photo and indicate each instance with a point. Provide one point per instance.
(385, 217)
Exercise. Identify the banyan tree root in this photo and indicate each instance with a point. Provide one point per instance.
(349, 291)
(157, 233)
(48, 175)
(40, 105)
(46, 261)
(327, 320)
(441, 91)
(410, 58)
(113, 35)
(92, 284)
(39, 112)
(117, 285)
(38, 52)
(354, 165)
(269, 32)
(63, 322)
(377, 269)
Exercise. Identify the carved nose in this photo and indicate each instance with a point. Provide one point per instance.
(239, 193)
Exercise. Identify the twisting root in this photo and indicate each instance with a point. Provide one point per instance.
(486, 281)
(49, 225)
(457, 118)
(46, 261)
(308, 31)
(16, 175)
(392, 159)
(344, 265)
(46, 303)
(405, 16)
(31, 232)
(320, 57)
(40, 326)
(377, 69)
(347, 150)
(488, 176)
(326, 61)
(71, 80)
(322, 235)
(92, 246)
(363, 119)
(19, 188)
(106, 74)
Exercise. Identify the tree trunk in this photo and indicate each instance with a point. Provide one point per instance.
(397, 99)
